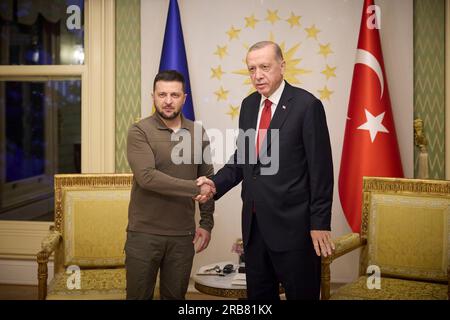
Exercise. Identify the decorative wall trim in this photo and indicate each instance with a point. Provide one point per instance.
(447, 94)
(21, 272)
(21, 239)
(128, 71)
(429, 81)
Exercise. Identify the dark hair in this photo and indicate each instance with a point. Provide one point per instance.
(170, 75)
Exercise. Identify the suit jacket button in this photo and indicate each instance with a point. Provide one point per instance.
(254, 177)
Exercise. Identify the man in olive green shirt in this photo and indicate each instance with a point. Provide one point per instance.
(161, 232)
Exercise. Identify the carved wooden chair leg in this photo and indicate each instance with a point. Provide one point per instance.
(42, 260)
(325, 279)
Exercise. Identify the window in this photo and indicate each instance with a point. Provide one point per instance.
(35, 32)
(41, 130)
(41, 113)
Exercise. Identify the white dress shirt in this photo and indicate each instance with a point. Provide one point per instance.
(275, 99)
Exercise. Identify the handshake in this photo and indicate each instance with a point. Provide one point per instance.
(207, 189)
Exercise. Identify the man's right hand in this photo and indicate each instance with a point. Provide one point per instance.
(207, 189)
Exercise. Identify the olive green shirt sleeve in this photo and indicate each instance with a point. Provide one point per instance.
(142, 163)
(206, 169)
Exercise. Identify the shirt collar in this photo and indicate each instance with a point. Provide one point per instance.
(162, 126)
(275, 97)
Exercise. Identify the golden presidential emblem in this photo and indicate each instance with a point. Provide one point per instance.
(309, 57)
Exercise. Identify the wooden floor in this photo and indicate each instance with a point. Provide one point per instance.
(19, 292)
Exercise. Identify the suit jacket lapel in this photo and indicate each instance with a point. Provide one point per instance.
(280, 114)
(251, 123)
(283, 107)
(253, 117)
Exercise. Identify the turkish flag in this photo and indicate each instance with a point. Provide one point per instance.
(370, 142)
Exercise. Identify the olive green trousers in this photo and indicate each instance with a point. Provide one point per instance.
(146, 254)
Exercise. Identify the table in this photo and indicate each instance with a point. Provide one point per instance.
(220, 285)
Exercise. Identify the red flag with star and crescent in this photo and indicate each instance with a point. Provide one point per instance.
(370, 142)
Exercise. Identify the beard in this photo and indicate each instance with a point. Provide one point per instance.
(166, 117)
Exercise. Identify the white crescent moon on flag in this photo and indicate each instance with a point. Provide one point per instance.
(368, 59)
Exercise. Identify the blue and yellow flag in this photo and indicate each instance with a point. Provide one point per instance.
(173, 56)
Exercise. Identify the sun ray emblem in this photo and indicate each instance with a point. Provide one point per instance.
(308, 57)
(292, 73)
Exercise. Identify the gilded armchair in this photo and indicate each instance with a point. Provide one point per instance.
(87, 239)
(405, 234)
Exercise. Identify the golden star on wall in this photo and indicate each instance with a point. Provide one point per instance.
(329, 72)
(221, 94)
(221, 51)
(272, 16)
(325, 93)
(250, 22)
(325, 50)
(233, 33)
(217, 72)
(294, 20)
(312, 31)
(233, 111)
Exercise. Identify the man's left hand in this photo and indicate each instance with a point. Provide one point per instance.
(204, 237)
(322, 242)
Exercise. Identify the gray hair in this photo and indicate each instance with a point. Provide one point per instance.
(263, 44)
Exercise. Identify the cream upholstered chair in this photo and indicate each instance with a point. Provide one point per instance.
(91, 214)
(405, 232)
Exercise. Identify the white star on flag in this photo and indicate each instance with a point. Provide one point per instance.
(373, 124)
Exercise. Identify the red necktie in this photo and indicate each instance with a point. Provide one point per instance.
(263, 125)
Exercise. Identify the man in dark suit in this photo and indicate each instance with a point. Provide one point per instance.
(287, 181)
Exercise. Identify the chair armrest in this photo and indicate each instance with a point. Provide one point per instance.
(48, 245)
(346, 244)
(343, 245)
(50, 242)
